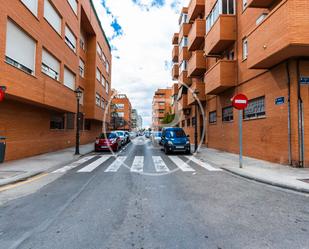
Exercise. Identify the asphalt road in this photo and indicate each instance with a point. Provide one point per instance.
(152, 201)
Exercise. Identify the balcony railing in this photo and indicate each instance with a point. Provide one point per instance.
(197, 64)
(175, 39)
(175, 54)
(288, 37)
(183, 78)
(197, 86)
(260, 3)
(184, 30)
(220, 77)
(196, 37)
(221, 35)
(196, 8)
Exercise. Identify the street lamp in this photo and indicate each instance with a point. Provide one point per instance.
(196, 92)
(79, 94)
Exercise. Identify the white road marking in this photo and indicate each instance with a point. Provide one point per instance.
(116, 164)
(202, 164)
(181, 164)
(94, 164)
(73, 165)
(138, 164)
(160, 164)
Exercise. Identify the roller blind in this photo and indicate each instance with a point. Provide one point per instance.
(70, 38)
(19, 46)
(73, 4)
(32, 5)
(50, 61)
(69, 79)
(52, 16)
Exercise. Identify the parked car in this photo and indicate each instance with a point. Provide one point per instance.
(132, 134)
(148, 134)
(156, 137)
(175, 140)
(107, 141)
(122, 136)
(127, 136)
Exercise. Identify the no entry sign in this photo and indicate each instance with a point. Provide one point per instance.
(240, 101)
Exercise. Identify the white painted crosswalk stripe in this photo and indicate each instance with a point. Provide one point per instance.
(94, 165)
(160, 164)
(181, 164)
(138, 164)
(73, 165)
(202, 164)
(116, 164)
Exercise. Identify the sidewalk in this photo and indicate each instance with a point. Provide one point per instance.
(18, 170)
(262, 171)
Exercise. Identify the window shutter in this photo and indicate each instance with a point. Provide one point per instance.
(19, 46)
(69, 79)
(73, 4)
(70, 36)
(32, 5)
(50, 61)
(52, 16)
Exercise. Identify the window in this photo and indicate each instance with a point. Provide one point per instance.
(81, 68)
(244, 4)
(193, 121)
(70, 121)
(81, 101)
(162, 103)
(183, 66)
(98, 75)
(188, 122)
(52, 16)
(231, 55)
(161, 111)
(82, 41)
(99, 50)
(74, 6)
(244, 49)
(57, 122)
(255, 108)
(227, 114)
(260, 18)
(183, 19)
(226, 7)
(107, 67)
(32, 5)
(103, 57)
(183, 42)
(119, 106)
(69, 79)
(107, 87)
(97, 99)
(213, 117)
(20, 48)
(70, 39)
(103, 81)
(50, 65)
(103, 103)
(120, 114)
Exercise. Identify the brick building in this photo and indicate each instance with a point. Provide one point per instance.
(161, 106)
(122, 113)
(49, 48)
(259, 48)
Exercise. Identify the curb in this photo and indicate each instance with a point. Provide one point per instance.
(22, 178)
(280, 185)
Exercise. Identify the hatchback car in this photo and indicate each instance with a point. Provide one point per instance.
(122, 136)
(175, 140)
(107, 141)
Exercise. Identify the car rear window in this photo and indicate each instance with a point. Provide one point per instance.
(107, 135)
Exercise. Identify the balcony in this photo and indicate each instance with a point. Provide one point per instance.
(184, 30)
(184, 54)
(221, 35)
(174, 89)
(175, 54)
(183, 103)
(196, 35)
(265, 4)
(288, 37)
(196, 8)
(175, 71)
(198, 86)
(183, 78)
(197, 64)
(175, 39)
(220, 77)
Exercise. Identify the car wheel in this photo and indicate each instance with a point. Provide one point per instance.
(166, 150)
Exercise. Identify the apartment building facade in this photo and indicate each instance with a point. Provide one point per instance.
(260, 49)
(161, 106)
(122, 116)
(49, 49)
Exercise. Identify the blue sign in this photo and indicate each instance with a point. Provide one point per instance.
(279, 101)
(304, 80)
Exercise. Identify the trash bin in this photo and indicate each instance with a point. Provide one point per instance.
(2, 149)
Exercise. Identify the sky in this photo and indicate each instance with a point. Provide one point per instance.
(140, 34)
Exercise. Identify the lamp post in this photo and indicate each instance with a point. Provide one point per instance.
(196, 92)
(78, 93)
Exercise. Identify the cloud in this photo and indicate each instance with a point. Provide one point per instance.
(140, 33)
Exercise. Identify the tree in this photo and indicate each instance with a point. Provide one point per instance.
(168, 118)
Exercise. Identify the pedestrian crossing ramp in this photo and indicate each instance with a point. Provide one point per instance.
(113, 164)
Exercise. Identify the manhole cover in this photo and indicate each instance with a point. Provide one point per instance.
(304, 180)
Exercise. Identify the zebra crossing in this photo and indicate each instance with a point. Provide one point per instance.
(160, 165)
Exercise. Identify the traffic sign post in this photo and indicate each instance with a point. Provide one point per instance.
(240, 102)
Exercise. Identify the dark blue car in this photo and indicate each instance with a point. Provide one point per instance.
(175, 140)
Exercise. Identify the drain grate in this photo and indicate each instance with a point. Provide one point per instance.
(304, 180)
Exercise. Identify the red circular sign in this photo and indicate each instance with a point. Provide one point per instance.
(2, 94)
(240, 101)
